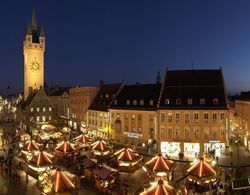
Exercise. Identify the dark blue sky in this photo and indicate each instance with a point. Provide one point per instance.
(89, 40)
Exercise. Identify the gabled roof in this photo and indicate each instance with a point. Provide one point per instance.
(105, 96)
(181, 85)
(137, 92)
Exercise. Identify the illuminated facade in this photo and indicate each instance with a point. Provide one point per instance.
(98, 115)
(242, 117)
(80, 99)
(193, 112)
(33, 51)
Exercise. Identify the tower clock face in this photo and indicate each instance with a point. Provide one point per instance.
(35, 65)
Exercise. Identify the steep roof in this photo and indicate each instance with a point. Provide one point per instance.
(137, 92)
(105, 96)
(181, 85)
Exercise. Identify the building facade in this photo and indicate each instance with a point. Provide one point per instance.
(80, 98)
(193, 112)
(98, 114)
(133, 116)
(242, 118)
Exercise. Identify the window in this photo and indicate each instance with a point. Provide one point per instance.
(50, 108)
(178, 101)
(167, 101)
(162, 132)
(126, 128)
(43, 118)
(139, 130)
(151, 102)
(38, 118)
(31, 109)
(214, 134)
(139, 117)
(44, 109)
(196, 117)
(115, 102)
(190, 101)
(151, 118)
(133, 116)
(162, 117)
(100, 115)
(170, 117)
(141, 102)
(170, 132)
(177, 117)
(206, 117)
(134, 102)
(126, 116)
(214, 116)
(133, 129)
(100, 123)
(117, 115)
(186, 133)
(196, 133)
(186, 117)
(105, 124)
(177, 132)
(128, 102)
(37, 109)
(31, 119)
(222, 116)
(215, 101)
(112, 115)
(202, 101)
(206, 133)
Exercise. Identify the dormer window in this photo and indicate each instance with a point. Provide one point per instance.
(190, 101)
(202, 101)
(167, 101)
(151, 102)
(134, 102)
(128, 102)
(215, 101)
(141, 102)
(178, 101)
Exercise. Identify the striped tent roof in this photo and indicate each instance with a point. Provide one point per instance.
(127, 154)
(65, 147)
(100, 145)
(42, 158)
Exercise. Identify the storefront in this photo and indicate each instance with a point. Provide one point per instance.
(214, 147)
(170, 148)
(191, 148)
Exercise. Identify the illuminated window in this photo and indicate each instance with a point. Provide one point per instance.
(141, 102)
(151, 102)
(177, 117)
(38, 118)
(43, 118)
(139, 130)
(186, 117)
(190, 101)
(100, 115)
(162, 117)
(126, 116)
(44, 109)
(202, 101)
(31, 118)
(128, 102)
(133, 117)
(50, 108)
(134, 102)
(50, 118)
(196, 117)
(167, 101)
(170, 117)
(215, 101)
(37, 109)
(31, 109)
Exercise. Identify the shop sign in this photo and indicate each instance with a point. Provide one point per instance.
(133, 135)
(214, 141)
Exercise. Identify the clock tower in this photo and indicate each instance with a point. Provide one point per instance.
(33, 51)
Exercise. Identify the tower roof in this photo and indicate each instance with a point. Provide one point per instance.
(33, 21)
(42, 33)
(28, 32)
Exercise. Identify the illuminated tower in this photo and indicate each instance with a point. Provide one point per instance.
(33, 51)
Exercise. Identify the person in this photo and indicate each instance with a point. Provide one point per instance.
(5, 190)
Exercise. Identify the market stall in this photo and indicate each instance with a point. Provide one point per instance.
(161, 167)
(128, 159)
(100, 148)
(65, 148)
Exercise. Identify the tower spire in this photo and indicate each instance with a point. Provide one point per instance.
(33, 21)
(28, 30)
(42, 33)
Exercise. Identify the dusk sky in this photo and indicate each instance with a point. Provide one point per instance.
(89, 40)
